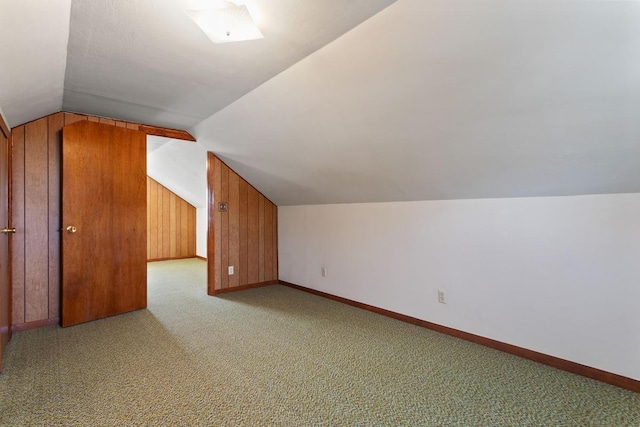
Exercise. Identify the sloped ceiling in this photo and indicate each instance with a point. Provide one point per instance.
(33, 57)
(146, 60)
(427, 99)
(180, 166)
(449, 99)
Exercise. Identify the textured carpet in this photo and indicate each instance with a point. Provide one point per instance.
(278, 356)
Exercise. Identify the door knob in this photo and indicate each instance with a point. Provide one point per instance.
(71, 229)
(8, 230)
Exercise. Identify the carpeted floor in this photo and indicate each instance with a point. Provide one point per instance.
(276, 356)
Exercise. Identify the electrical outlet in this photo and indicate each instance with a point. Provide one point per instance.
(231, 270)
(442, 296)
(323, 271)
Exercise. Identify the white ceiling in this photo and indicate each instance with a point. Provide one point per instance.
(428, 99)
(33, 57)
(146, 60)
(181, 166)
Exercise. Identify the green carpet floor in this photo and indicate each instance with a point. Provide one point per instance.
(275, 356)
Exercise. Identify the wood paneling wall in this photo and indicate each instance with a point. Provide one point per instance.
(245, 236)
(36, 199)
(36, 150)
(171, 224)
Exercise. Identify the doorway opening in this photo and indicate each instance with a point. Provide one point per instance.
(176, 204)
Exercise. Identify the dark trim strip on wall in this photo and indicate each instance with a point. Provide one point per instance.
(545, 359)
(171, 259)
(148, 129)
(35, 324)
(211, 229)
(167, 133)
(4, 127)
(245, 287)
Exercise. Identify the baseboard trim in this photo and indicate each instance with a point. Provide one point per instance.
(173, 258)
(545, 359)
(244, 287)
(201, 257)
(35, 324)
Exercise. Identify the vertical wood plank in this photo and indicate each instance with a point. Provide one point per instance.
(166, 223)
(173, 243)
(17, 220)
(243, 273)
(192, 232)
(268, 236)
(149, 213)
(234, 227)
(274, 241)
(157, 211)
(177, 227)
(211, 255)
(153, 221)
(261, 258)
(5, 247)
(224, 197)
(36, 221)
(217, 221)
(253, 198)
(56, 122)
(184, 228)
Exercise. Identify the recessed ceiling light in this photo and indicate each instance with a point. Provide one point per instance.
(230, 23)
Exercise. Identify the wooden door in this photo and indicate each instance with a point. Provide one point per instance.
(5, 276)
(104, 213)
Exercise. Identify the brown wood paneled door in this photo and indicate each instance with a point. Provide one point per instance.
(5, 277)
(104, 219)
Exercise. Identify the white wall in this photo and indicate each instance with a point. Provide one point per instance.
(558, 275)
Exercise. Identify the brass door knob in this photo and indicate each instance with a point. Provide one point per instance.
(71, 229)
(8, 230)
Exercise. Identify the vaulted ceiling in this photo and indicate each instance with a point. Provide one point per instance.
(354, 101)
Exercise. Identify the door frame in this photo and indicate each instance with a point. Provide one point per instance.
(5, 277)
